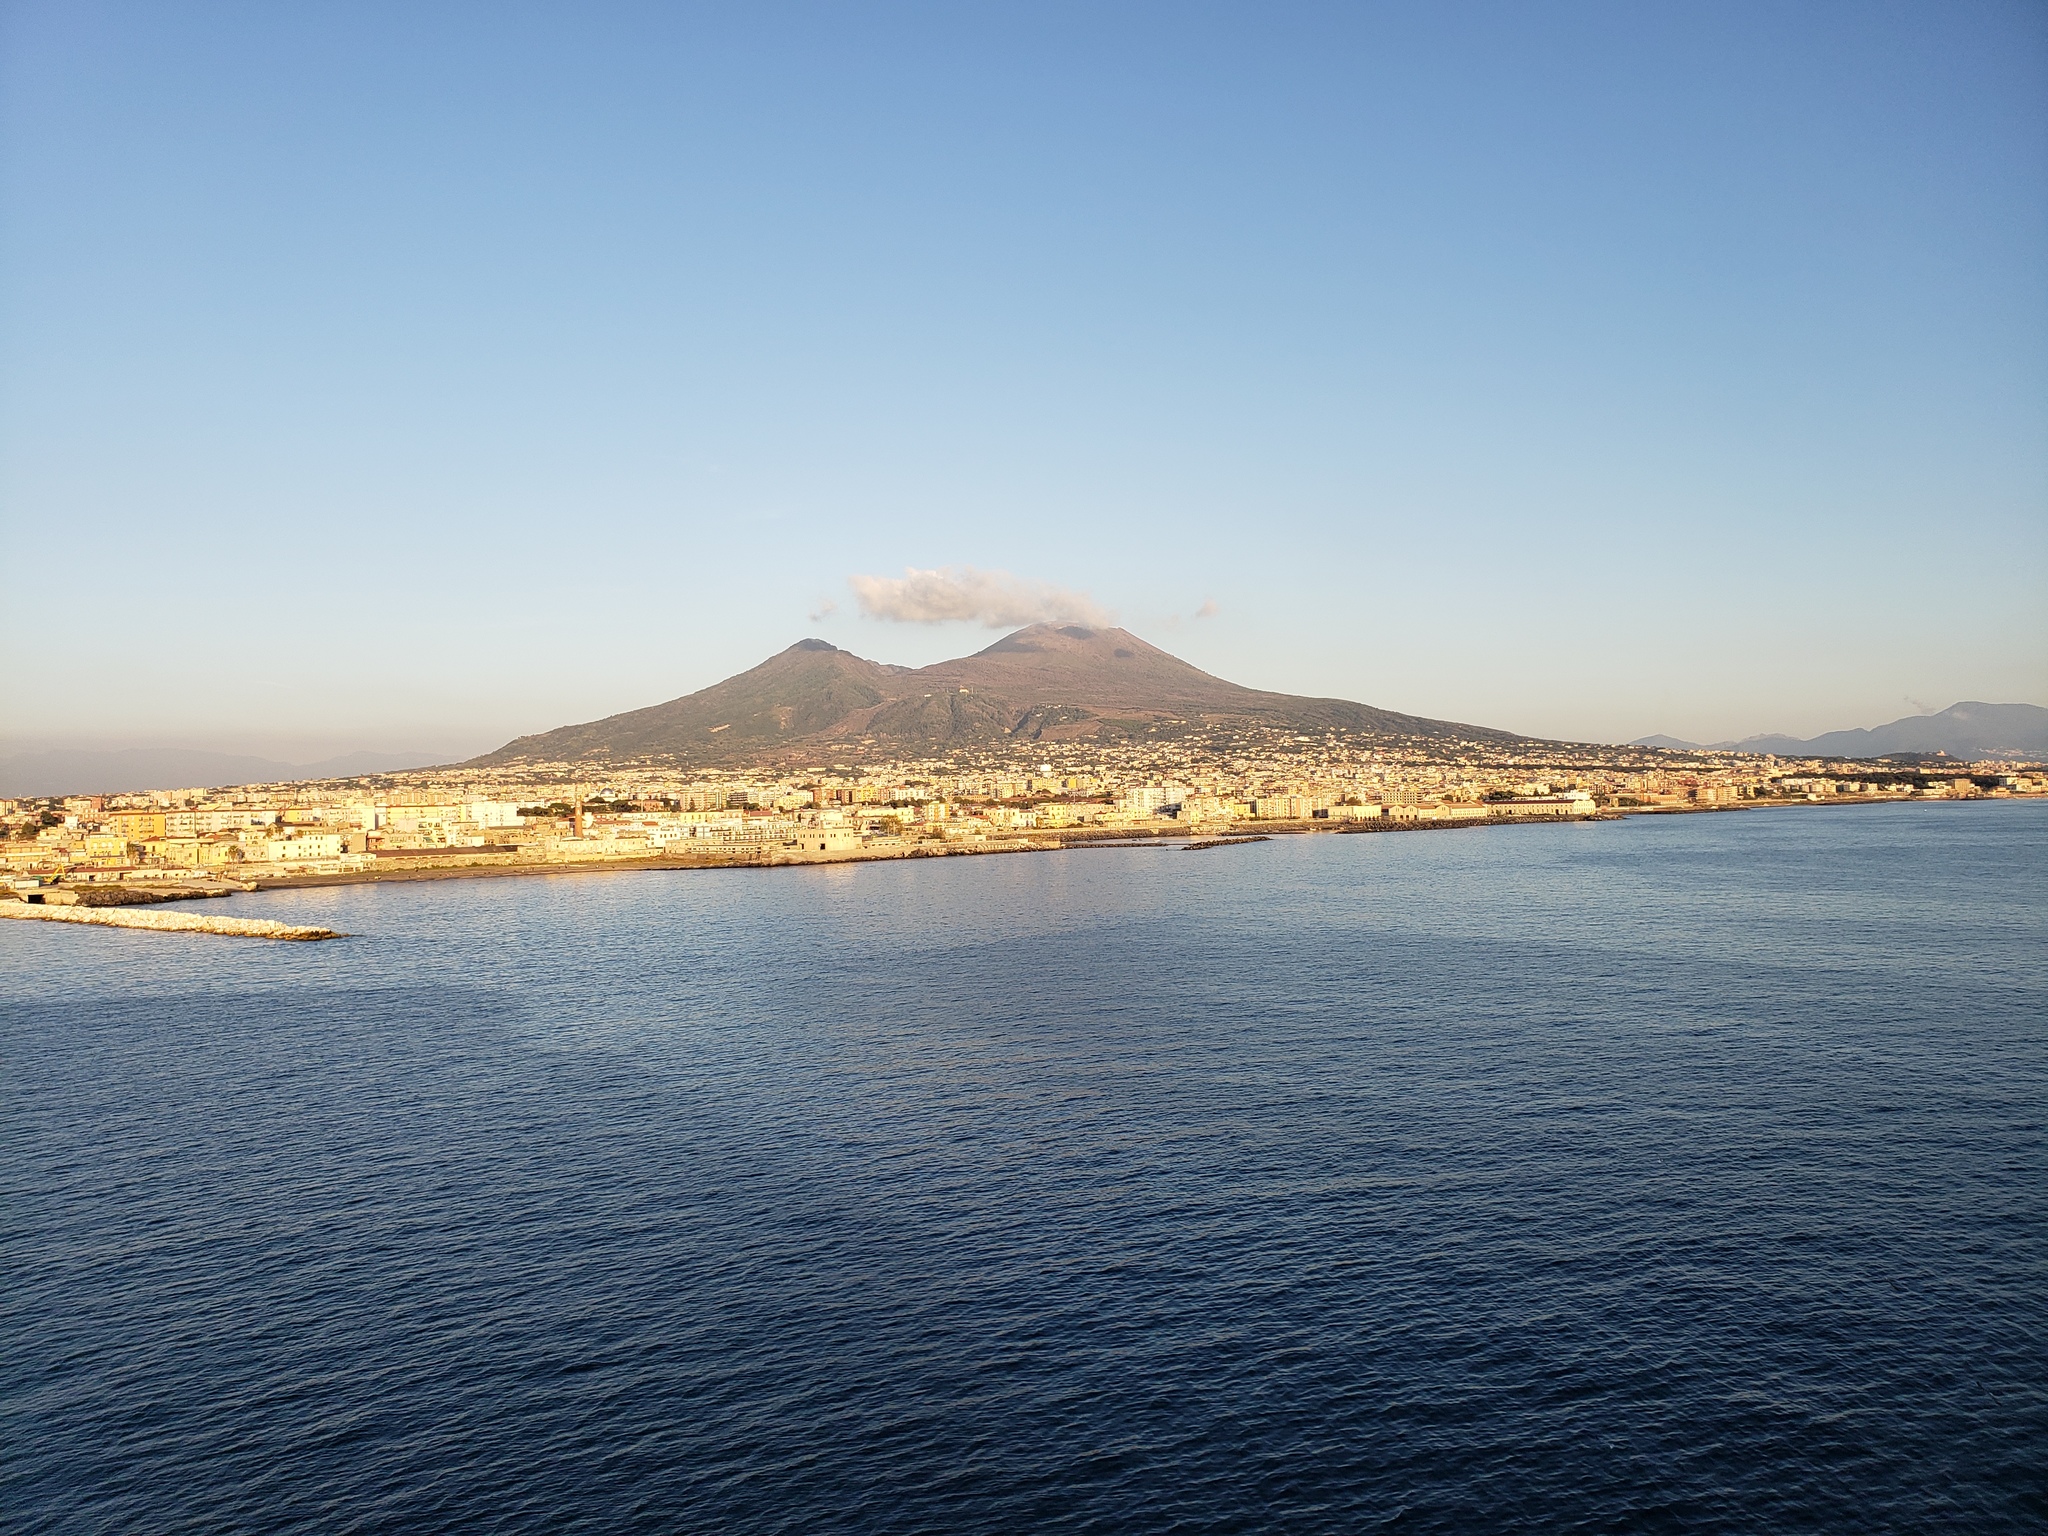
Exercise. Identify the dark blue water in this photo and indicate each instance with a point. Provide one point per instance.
(1679, 1174)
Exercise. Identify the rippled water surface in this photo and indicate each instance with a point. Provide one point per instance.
(1685, 1173)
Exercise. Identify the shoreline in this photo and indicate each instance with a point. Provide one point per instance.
(1069, 841)
(490, 865)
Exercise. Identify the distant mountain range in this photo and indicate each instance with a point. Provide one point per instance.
(139, 768)
(1969, 730)
(1045, 683)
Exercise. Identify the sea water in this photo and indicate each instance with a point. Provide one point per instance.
(1682, 1173)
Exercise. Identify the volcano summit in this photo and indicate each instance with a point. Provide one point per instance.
(1044, 683)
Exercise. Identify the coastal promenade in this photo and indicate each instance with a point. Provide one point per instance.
(116, 903)
(459, 864)
(475, 863)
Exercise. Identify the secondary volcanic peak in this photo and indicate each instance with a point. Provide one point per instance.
(1092, 668)
(1047, 682)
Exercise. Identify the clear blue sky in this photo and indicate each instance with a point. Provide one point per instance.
(415, 375)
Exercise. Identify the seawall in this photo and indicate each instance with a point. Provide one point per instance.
(165, 922)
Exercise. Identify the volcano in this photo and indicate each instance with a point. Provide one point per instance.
(1049, 682)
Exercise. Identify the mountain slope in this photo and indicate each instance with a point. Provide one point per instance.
(796, 693)
(1042, 683)
(1967, 730)
(1107, 672)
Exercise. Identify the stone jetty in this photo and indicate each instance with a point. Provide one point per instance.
(164, 922)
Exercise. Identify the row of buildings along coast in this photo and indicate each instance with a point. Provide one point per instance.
(546, 813)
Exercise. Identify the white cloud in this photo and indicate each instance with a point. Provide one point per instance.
(1208, 610)
(825, 609)
(960, 593)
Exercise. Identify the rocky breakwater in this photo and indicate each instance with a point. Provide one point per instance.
(164, 922)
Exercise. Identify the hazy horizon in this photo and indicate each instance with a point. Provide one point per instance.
(315, 751)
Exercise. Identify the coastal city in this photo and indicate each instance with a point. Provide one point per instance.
(992, 768)
(108, 849)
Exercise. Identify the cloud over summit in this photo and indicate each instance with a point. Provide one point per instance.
(958, 593)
